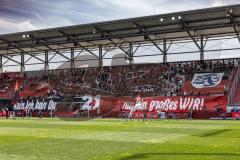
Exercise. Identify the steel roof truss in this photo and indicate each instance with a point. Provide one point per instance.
(75, 41)
(10, 59)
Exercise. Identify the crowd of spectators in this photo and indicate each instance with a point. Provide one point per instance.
(131, 80)
(5, 82)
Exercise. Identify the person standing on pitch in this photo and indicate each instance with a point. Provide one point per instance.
(40, 113)
(145, 115)
(13, 114)
(7, 113)
(190, 114)
(22, 113)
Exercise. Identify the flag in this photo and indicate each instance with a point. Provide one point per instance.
(203, 80)
(16, 86)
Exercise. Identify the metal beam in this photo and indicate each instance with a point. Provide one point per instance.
(125, 35)
(193, 39)
(131, 53)
(201, 48)
(52, 57)
(1, 65)
(205, 42)
(22, 67)
(100, 59)
(15, 45)
(28, 59)
(118, 46)
(136, 49)
(164, 51)
(236, 31)
(46, 62)
(146, 35)
(41, 41)
(169, 46)
(63, 55)
(79, 53)
(106, 51)
(232, 21)
(10, 59)
(12, 44)
(72, 60)
(160, 49)
(34, 57)
(75, 41)
(186, 28)
(108, 37)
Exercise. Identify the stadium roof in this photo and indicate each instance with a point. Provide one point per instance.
(187, 25)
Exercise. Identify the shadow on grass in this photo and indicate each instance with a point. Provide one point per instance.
(151, 155)
(214, 133)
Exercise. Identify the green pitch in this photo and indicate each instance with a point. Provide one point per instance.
(102, 139)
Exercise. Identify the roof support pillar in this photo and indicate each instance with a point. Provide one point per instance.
(22, 64)
(201, 48)
(130, 53)
(164, 50)
(100, 58)
(236, 30)
(1, 64)
(72, 60)
(46, 62)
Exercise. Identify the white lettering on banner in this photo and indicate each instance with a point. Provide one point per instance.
(37, 105)
(51, 105)
(127, 105)
(41, 105)
(194, 103)
(184, 104)
(163, 105)
(169, 105)
(130, 105)
(92, 103)
(97, 102)
(19, 106)
(30, 105)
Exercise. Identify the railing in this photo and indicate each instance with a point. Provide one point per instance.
(234, 86)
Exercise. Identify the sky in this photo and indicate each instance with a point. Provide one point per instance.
(26, 15)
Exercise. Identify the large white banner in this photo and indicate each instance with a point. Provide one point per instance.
(203, 80)
(35, 105)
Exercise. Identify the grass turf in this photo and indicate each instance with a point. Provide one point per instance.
(104, 139)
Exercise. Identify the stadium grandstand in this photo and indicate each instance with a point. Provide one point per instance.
(175, 63)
